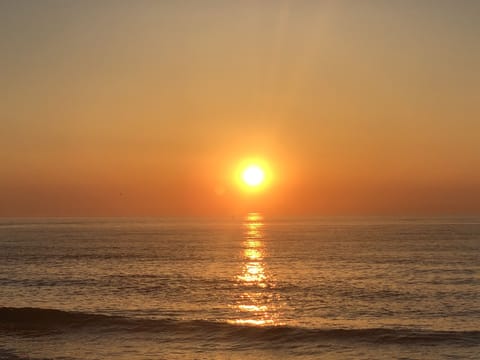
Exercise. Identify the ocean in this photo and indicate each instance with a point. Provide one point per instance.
(251, 287)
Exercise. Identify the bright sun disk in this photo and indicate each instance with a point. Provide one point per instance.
(253, 175)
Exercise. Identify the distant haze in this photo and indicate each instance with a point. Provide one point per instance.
(125, 108)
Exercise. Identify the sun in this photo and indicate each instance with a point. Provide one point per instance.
(253, 175)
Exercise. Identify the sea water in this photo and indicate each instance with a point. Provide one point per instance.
(251, 287)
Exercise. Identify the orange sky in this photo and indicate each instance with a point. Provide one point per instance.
(147, 108)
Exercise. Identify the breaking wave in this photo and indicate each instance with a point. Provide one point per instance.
(44, 321)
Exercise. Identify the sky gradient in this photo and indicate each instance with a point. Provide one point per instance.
(146, 108)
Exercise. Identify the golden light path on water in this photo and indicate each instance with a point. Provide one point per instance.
(258, 303)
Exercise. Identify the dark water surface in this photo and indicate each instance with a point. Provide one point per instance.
(329, 288)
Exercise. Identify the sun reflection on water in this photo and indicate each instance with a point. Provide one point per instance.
(258, 303)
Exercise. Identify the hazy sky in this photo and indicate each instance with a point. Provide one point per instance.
(147, 107)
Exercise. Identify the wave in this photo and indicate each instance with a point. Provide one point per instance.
(43, 321)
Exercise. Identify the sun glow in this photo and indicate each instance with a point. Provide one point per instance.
(253, 175)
